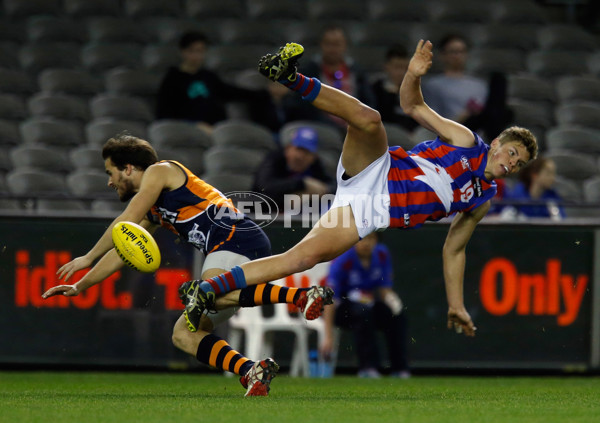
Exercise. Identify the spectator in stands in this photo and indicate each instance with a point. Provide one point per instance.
(536, 185)
(386, 89)
(470, 100)
(193, 93)
(333, 67)
(454, 94)
(295, 169)
(364, 302)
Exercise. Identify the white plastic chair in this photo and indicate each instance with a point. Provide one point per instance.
(255, 326)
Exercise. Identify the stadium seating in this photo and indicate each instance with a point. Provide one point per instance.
(58, 106)
(327, 10)
(110, 207)
(583, 114)
(46, 205)
(88, 183)
(568, 189)
(512, 12)
(240, 33)
(573, 138)
(134, 82)
(578, 88)
(99, 58)
(566, 37)
(35, 57)
(275, 9)
(39, 157)
(115, 30)
(13, 81)
(34, 182)
(9, 54)
(397, 11)
(505, 36)
(576, 166)
(530, 88)
(20, 9)
(556, 63)
(158, 58)
(69, 81)
(243, 134)
(56, 29)
(9, 133)
(178, 134)
(86, 157)
(206, 9)
(219, 160)
(98, 131)
(91, 8)
(120, 107)
(461, 11)
(591, 190)
(142, 8)
(59, 133)
(485, 61)
(12, 107)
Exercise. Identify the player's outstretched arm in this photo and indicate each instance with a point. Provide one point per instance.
(454, 256)
(413, 104)
(153, 182)
(106, 266)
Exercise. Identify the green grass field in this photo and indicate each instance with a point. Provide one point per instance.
(83, 397)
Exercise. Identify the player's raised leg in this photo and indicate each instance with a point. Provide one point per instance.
(366, 139)
(332, 235)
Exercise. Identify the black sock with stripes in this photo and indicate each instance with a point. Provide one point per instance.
(216, 352)
(267, 293)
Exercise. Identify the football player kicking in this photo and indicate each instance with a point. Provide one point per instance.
(381, 186)
(167, 194)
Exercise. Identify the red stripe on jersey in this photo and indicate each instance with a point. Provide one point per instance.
(456, 170)
(440, 151)
(396, 174)
(415, 198)
(398, 153)
(476, 161)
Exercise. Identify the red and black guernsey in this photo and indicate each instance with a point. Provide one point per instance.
(436, 179)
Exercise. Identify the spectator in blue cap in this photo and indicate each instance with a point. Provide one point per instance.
(295, 169)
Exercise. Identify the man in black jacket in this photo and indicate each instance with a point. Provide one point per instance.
(193, 93)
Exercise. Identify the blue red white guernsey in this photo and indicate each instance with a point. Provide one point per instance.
(190, 211)
(436, 179)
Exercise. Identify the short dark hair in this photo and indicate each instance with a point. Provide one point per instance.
(523, 136)
(124, 149)
(190, 37)
(396, 51)
(446, 39)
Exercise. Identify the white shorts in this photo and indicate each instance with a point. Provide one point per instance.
(367, 194)
(225, 260)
